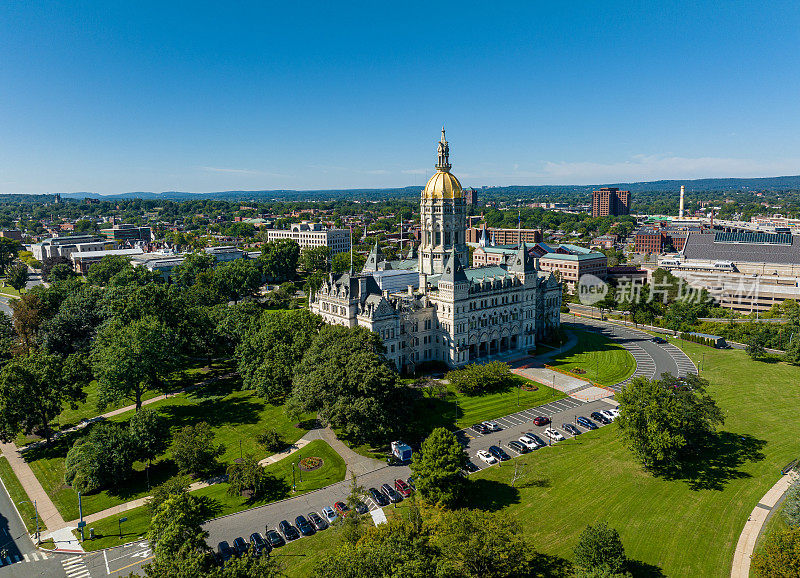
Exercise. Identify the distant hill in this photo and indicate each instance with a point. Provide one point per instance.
(698, 185)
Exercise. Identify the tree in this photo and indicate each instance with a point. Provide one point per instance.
(34, 389)
(18, 275)
(194, 450)
(247, 477)
(8, 250)
(266, 356)
(186, 273)
(130, 359)
(249, 566)
(74, 326)
(340, 262)
(793, 351)
(756, 346)
(238, 279)
(481, 379)
(149, 432)
(659, 419)
(100, 273)
(176, 526)
(103, 458)
(345, 376)
(437, 468)
(60, 272)
(159, 494)
(50, 263)
(278, 260)
(316, 259)
(600, 551)
(779, 557)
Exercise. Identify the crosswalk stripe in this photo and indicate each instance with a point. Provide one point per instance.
(43, 555)
(26, 557)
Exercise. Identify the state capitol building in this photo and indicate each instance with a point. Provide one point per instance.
(429, 306)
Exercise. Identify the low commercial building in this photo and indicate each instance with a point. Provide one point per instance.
(65, 246)
(310, 235)
(496, 236)
(82, 260)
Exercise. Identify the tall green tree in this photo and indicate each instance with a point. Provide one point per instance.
(340, 262)
(35, 388)
(176, 526)
(74, 326)
(316, 259)
(8, 250)
(267, 356)
(237, 279)
(102, 459)
(437, 468)
(660, 418)
(600, 552)
(186, 273)
(345, 377)
(194, 449)
(149, 433)
(130, 359)
(18, 275)
(279, 259)
(100, 273)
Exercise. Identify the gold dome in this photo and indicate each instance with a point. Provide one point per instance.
(442, 185)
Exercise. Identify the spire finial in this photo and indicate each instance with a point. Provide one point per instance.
(443, 151)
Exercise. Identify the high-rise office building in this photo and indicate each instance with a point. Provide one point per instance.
(610, 201)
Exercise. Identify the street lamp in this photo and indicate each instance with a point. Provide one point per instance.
(36, 510)
(120, 526)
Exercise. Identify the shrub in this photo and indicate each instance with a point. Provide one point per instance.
(272, 440)
(476, 379)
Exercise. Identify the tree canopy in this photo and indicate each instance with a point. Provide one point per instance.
(437, 468)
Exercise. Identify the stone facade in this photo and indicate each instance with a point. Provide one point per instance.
(455, 315)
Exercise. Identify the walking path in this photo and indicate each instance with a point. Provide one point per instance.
(754, 524)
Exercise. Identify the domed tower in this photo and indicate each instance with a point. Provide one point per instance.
(443, 217)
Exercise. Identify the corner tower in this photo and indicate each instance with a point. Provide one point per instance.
(443, 217)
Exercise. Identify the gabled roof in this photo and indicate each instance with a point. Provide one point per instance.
(453, 270)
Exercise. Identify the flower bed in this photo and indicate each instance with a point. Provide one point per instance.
(310, 464)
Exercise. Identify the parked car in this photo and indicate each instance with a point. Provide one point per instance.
(541, 420)
(569, 428)
(258, 544)
(659, 340)
(380, 498)
(329, 515)
(289, 532)
(518, 447)
(275, 540)
(410, 482)
(240, 546)
(614, 411)
(305, 527)
(402, 487)
(480, 428)
(492, 425)
(361, 508)
(528, 443)
(498, 452)
(317, 521)
(391, 493)
(554, 434)
(586, 422)
(224, 552)
(608, 413)
(597, 416)
(536, 439)
(469, 467)
(486, 457)
(342, 508)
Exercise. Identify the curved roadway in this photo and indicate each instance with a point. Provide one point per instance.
(651, 360)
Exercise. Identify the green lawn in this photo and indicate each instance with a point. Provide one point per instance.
(332, 471)
(684, 526)
(19, 496)
(235, 417)
(604, 361)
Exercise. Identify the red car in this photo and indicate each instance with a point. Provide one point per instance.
(541, 420)
(402, 487)
(342, 508)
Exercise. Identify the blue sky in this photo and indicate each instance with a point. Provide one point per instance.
(193, 96)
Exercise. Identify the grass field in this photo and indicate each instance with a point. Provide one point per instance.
(604, 361)
(333, 470)
(235, 417)
(19, 496)
(687, 525)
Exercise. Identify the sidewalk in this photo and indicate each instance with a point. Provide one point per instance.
(356, 463)
(752, 528)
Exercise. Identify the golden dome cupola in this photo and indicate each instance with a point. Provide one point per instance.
(443, 185)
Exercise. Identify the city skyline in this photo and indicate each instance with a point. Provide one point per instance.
(114, 99)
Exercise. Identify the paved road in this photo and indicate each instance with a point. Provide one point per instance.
(653, 359)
